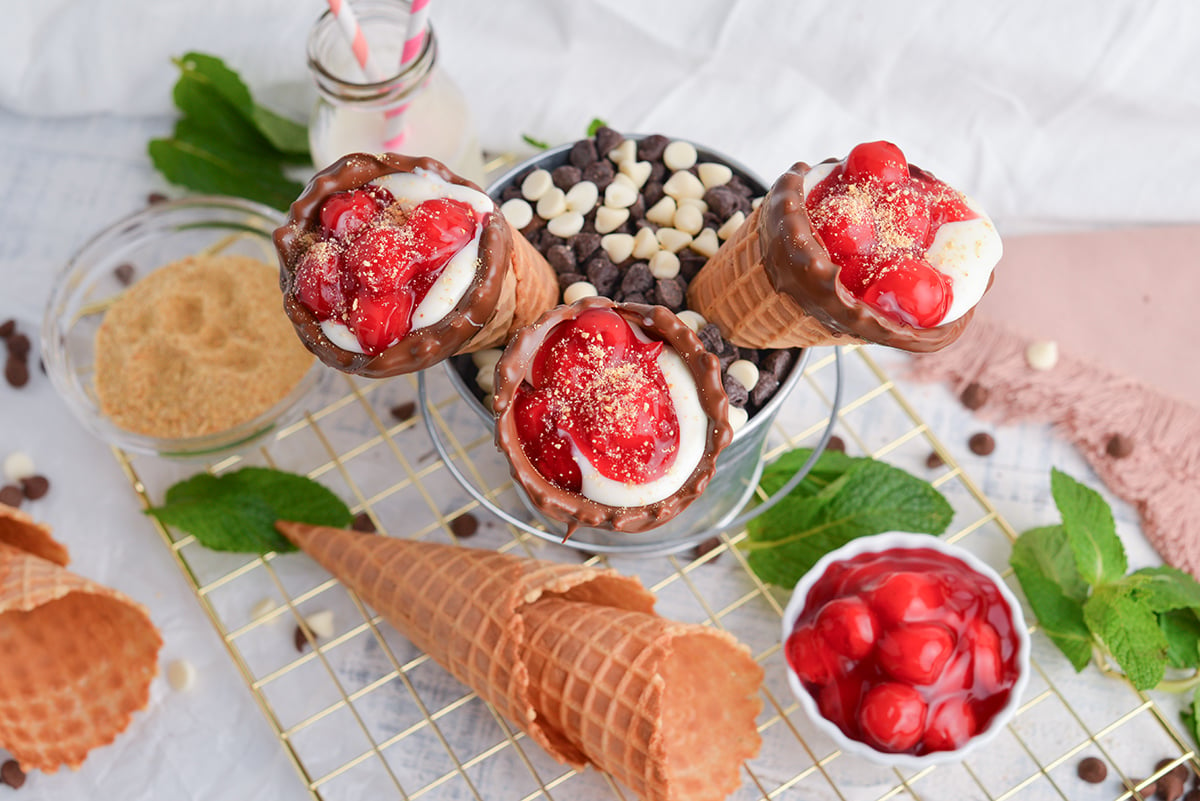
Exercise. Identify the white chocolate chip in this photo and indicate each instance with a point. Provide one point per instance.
(261, 609)
(622, 178)
(582, 197)
(518, 212)
(18, 465)
(619, 247)
(689, 219)
(566, 224)
(578, 291)
(489, 401)
(320, 623)
(1042, 355)
(662, 212)
(620, 195)
(731, 225)
(626, 151)
(673, 239)
(754, 204)
(679, 156)
(181, 675)
(664, 264)
(645, 244)
(609, 219)
(638, 172)
(695, 202)
(552, 203)
(536, 184)
(486, 357)
(485, 379)
(683, 184)
(693, 320)
(737, 418)
(706, 243)
(744, 372)
(712, 174)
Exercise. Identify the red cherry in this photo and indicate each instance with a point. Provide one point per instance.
(344, 213)
(907, 213)
(810, 657)
(845, 224)
(892, 716)
(876, 161)
(382, 261)
(907, 597)
(951, 724)
(911, 291)
(380, 321)
(439, 228)
(547, 449)
(562, 351)
(318, 281)
(915, 652)
(985, 655)
(848, 626)
(837, 701)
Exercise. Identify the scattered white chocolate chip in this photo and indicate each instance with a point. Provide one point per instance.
(609, 219)
(536, 184)
(662, 212)
(696, 202)
(620, 195)
(320, 623)
(552, 203)
(706, 243)
(683, 184)
(518, 212)
(645, 244)
(638, 172)
(730, 226)
(689, 219)
(693, 320)
(744, 372)
(1042, 355)
(673, 239)
(626, 151)
(619, 247)
(566, 224)
(679, 155)
(737, 418)
(18, 465)
(713, 174)
(578, 291)
(664, 264)
(754, 204)
(622, 178)
(181, 675)
(486, 357)
(582, 197)
(261, 609)
(485, 379)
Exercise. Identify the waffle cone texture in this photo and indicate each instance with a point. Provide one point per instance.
(573, 655)
(78, 657)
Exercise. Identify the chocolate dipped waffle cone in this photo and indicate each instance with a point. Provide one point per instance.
(78, 659)
(573, 655)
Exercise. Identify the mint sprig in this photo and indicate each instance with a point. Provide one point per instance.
(224, 142)
(840, 499)
(237, 511)
(1075, 577)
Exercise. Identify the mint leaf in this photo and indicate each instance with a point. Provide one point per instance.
(830, 465)
(1088, 521)
(595, 125)
(1165, 588)
(1045, 567)
(237, 511)
(1047, 552)
(1182, 630)
(538, 143)
(1191, 716)
(1130, 631)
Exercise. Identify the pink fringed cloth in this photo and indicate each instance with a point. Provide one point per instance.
(1119, 372)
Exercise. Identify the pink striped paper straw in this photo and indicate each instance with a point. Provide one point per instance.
(418, 18)
(348, 22)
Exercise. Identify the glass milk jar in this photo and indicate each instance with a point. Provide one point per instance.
(351, 114)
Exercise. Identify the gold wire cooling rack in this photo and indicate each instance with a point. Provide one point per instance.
(361, 711)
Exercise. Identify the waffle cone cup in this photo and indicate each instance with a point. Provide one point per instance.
(78, 660)
(572, 655)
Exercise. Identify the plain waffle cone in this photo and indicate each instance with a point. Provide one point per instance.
(22, 532)
(530, 289)
(78, 661)
(734, 292)
(492, 620)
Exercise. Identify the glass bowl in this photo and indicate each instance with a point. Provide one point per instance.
(148, 240)
(905, 542)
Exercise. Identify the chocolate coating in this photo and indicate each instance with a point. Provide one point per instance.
(798, 264)
(573, 508)
(422, 347)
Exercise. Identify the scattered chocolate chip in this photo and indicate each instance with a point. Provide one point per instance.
(651, 147)
(974, 396)
(11, 774)
(638, 278)
(155, 197)
(738, 394)
(934, 460)
(1145, 793)
(721, 201)
(561, 258)
(16, 372)
(1181, 770)
(710, 337)
(601, 173)
(566, 279)
(836, 443)
(8, 328)
(404, 411)
(982, 443)
(603, 274)
(11, 495)
(1192, 795)
(585, 244)
(1092, 770)
(1118, 446)
(363, 522)
(35, 487)
(706, 547)
(607, 140)
(511, 193)
(667, 292)
(299, 640)
(18, 346)
(465, 525)
(632, 297)
(124, 273)
(583, 153)
(566, 176)
(777, 363)
(653, 191)
(1169, 787)
(764, 390)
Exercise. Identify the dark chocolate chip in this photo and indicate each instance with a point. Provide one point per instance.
(1092, 770)
(974, 396)
(566, 279)
(658, 172)
(566, 176)
(404, 411)
(11, 495)
(465, 525)
(722, 201)
(601, 173)
(1169, 787)
(35, 487)
(1118, 446)
(706, 547)
(739, 187)
(584, 244)
(738, 394)
(364, 523)
(982, 443)
(18, 346)
(777, 363)
(690, 263)
(511, 192)
(1192, 795)
(651, 147)
(667, 292)
(583, 153)
(603, 274)
(710, 337)
(11, 774)
(1145, 793)
(155, 197)
(652, 192)
(836, 443)
(607, 140)
(299, 640)
(934, 460)
(1179, 774)
(637, 211)
(711, 220)
(764, 390)
(561, 258)
(632, 297)
(8, 328)
(16, 372)
(637, 278)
